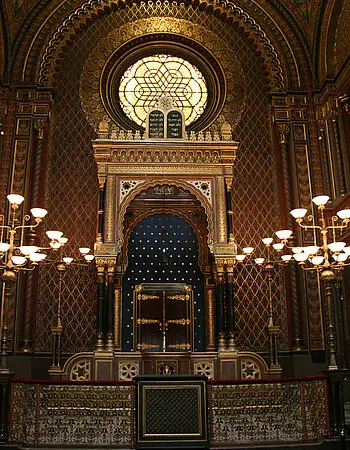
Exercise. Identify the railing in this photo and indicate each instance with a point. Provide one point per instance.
(101, 414)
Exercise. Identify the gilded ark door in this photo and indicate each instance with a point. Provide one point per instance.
(163, 317)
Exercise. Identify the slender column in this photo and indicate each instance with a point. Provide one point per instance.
(100, 221)
(29, 306)
(100, 303)
(338, 154)
(327, 277)
(283, 134)
(110, 307)
(220, 320)
(229, 212)
(230, 300)
(7, 292)
(210, 319)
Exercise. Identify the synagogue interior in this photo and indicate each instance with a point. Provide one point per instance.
(174, 223)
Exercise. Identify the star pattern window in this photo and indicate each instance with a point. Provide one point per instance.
(152, 77)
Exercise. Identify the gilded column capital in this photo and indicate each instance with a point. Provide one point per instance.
(228, 183)
(283, 130)
(101, 181)
(40, 125)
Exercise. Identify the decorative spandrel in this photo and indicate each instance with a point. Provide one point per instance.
(163, 317)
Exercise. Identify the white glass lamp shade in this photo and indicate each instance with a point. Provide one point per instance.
(284, 234)
(248, 250)
(336, 247)
(15, 199)
(346, 250)
(240, 258)
(298, 213)
(37, 257)
(55, 245)
(18, 260)
(341, 257)
(286, 258)
(344, 213)
(54, 235)
(259, 261)
(301, 257)
(320, 200)
(297, 250)
(311, 249)
(84, 250)
(267, 241)
(89, 257)
(317, 260)
(38, 212)
(62, 240)
(4, 247)
(28, 249)
(67, 259)
(278, 246)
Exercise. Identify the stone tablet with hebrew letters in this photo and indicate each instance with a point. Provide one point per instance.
(156, 124)
(174, 125)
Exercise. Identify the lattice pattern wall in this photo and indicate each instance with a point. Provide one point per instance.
(72, 183)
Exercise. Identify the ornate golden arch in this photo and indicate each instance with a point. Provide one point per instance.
(187, 186)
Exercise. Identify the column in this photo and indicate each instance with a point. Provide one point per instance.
(31, 282)
(230, 302)
(101, 209)
(100, 303)
(229, 212)
(220, 319)
(110, 306)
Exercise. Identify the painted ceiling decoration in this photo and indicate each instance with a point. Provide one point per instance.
(59, 21)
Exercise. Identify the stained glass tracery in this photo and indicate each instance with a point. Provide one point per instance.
(152, 77)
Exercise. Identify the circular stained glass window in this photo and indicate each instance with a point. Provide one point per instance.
(152, 77)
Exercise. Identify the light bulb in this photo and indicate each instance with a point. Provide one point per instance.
(297, 250)
(284, 234)
(15, 199)
(311, 249)
(298, 213)
(84, 250)
(54, 235)
(267, 241)
(38, 212)
(259, 261)
(55, 245)
(317, 260)
(286, 258)
(301, 257)
(63, 240)
(336, 246)
(240, 258)
(67, 259)
(37, 257)
(4, 247)
(346, 250)
(18, 260)
(278, 246)
(28, 249)
(89, 257)
(248, 250)
(341, 257)
(320, 200)
(344, 213)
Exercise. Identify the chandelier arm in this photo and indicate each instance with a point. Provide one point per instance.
(336, 227)
(310, 227)
(22, 227)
